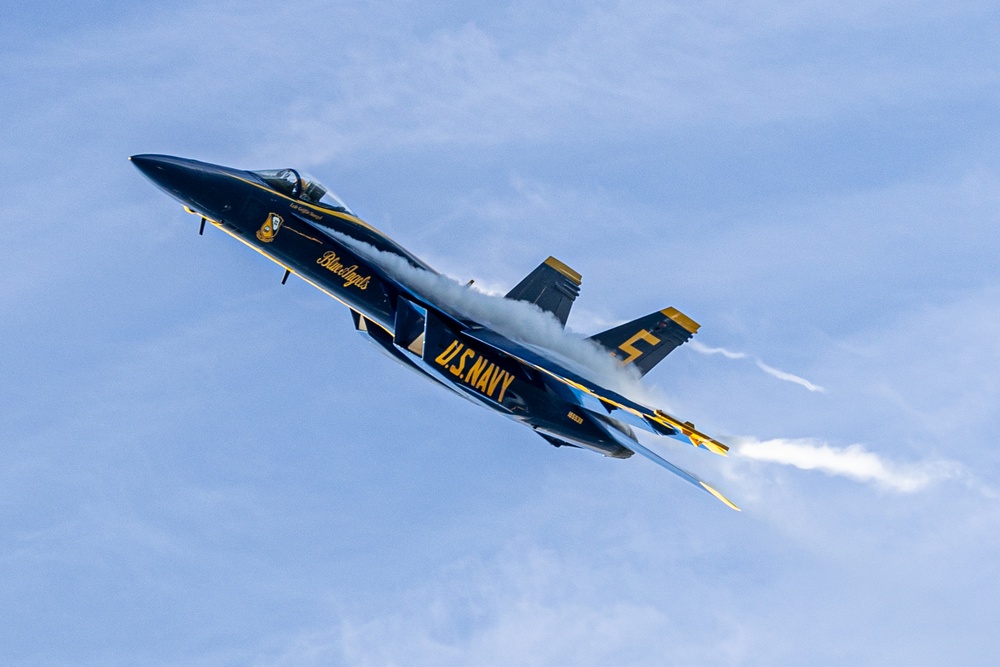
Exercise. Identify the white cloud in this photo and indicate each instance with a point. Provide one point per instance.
(854, 462)
(525, 606)
(662, 63)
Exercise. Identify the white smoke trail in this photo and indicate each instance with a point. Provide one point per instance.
(770, 370)
(854, 462)
(788, 377)
(704, 349)
(518, 320)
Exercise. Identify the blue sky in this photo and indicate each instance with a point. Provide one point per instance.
(199, 466)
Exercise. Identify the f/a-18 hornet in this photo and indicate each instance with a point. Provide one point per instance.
(298, 223)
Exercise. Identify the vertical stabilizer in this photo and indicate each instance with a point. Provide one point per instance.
(646, 341)
(552, 286)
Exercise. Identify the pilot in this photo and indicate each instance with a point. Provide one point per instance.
(313, 192)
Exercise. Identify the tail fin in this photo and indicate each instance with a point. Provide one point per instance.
(647, 340)
(552, 286)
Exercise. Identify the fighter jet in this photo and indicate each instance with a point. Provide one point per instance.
(295, 221)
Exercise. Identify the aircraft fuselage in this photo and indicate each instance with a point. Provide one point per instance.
(314, 242)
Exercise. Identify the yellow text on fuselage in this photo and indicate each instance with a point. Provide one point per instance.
(475, 370)
(331, 262)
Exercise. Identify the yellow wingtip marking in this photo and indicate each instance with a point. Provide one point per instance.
(711, 444)
(694, 435)
(563, 269)
(720, 496)
(715, 447)
(677, 316)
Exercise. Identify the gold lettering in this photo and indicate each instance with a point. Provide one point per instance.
(475, 371)
(503, 389)
(443, 358)
(457, 370)
(485, 378)
(495, 381)
(302, 209)
(454, 353)
(332, 263)
(482, 375)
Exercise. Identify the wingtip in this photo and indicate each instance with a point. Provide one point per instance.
(721, 497)
(714, 446)
(693, 435)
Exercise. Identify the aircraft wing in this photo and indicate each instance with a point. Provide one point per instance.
(632, 444)
(598, 400)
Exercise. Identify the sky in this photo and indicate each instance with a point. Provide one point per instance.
(200, 466)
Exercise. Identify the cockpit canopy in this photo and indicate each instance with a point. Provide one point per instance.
(303, 186)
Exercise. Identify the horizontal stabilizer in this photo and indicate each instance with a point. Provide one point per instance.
(646, 341)
(552, 286)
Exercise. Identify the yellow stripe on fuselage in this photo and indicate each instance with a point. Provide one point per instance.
(284, 266)
(319, 209)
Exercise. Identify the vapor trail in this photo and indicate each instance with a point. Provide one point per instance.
(704, 349)
(770, 370)
(788, 377)
(854, 462)
(518, 320)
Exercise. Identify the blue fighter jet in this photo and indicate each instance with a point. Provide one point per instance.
(298, 223)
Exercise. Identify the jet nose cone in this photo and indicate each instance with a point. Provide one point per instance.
(208, 189)
(142, 160)
(161, 169)
(194, 184)
(145, 162)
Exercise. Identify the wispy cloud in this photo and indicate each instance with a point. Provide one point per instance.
(468, 83)
(524, 606)
(770, 370)
(854, 462)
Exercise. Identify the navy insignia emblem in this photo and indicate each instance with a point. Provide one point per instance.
(270, 228)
